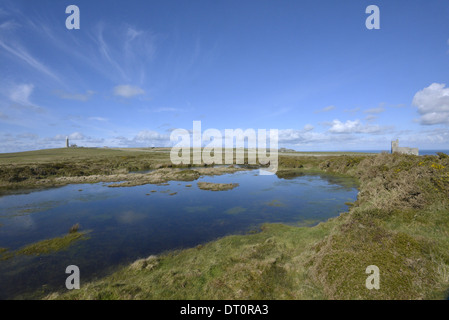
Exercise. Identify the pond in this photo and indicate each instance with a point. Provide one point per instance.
(127, 223)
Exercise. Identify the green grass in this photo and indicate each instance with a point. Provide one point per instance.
(51, 245)
(34, 169)
(266, 265)
(46, 246)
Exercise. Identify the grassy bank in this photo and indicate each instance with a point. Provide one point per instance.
(35, 169)
(399, 223)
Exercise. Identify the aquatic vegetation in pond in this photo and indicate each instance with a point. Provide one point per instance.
(235, 210)
(276, 203)
(52, 245)
(5, 254)
(35, 207)
(216, 186)
(46, 246)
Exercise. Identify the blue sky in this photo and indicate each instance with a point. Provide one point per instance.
(136, 70)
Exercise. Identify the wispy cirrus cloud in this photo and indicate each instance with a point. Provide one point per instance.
(105, 51)
(126, 49)
(375, 110)
(76, 96)
(128, 91)
(8, 25)
(165, 109)
(353, 110)
(19, 95)
(325, 109)
(97, 119)
(22, 54)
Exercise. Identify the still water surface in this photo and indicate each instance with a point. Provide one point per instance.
(128, 223)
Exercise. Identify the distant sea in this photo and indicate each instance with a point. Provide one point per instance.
(421, 152)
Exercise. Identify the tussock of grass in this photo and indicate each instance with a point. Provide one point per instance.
(216, 186)
(51, 245)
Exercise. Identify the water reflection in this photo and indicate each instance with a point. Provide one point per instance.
(134, 222)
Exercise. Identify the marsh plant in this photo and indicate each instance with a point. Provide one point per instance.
(74, 228)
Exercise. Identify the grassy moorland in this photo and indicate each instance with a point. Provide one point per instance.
(399, 222)
(34, 169)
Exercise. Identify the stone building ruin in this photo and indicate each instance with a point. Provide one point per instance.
(405, 150)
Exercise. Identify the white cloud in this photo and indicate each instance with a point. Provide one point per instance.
(76, 96)
(144, 138)
(76, 136)
(325, 109)
(433, 104)
(347, 127)
(354, 110)
(166, 110)
(150, 136)
(308, 127)
(355, 127)
(72, 136)
(370, 117)
(127, 91)
(21, 94)
(97, 119)
(375, 110)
